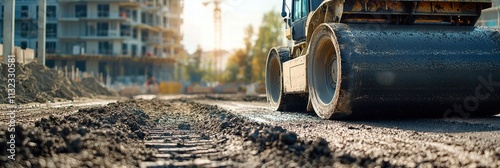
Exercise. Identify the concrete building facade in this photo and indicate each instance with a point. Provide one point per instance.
(118, 38)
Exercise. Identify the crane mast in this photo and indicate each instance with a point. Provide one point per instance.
(217, 57)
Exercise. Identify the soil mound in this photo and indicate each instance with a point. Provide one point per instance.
(93, 84)
(37, 83)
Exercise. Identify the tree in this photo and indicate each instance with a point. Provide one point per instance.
(235, 69)
(238, 68)
(247, 64)
(209, 74)
(269, 35)
(193, 69)
(248, 50)
(248, 38)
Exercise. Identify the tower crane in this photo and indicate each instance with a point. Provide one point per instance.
(217, 58)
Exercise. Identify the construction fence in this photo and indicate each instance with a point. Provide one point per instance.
(23, 56)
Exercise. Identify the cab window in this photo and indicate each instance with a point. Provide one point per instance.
(300, 9)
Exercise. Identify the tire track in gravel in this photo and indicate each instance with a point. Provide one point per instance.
(241, 142)
(180, 145)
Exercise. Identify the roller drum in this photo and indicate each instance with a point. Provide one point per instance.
(419, 70)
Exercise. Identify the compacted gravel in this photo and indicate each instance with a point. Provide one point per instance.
(222, 131)
(408, 142)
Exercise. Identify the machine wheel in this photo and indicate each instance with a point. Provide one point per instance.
(276, 96)
(324, 74)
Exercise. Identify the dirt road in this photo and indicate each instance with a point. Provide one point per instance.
(220, 131)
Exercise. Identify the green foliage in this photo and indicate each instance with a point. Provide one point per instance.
(270, 35)
(248, 64)
(236, 67)
(208, 71)
(193, 68)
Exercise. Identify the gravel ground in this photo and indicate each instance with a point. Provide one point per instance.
(112, 136)
(245, 133)
(418, 142)
(108, 136)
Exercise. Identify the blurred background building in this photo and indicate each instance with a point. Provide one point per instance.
(490, 17)
(123, 40)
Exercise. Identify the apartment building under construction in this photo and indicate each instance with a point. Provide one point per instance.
(125, 40)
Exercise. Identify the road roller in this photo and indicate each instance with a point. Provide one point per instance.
(378, 58)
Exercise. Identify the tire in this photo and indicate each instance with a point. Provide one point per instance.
(278, 100)
(324, 74)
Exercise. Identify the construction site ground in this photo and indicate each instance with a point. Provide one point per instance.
(234, 131)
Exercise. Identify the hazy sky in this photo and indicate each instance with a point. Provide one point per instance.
(198, 25)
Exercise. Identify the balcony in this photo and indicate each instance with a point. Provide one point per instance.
(148, 27)
(150, 6)
(170, 45)
(169, 30)
(130, 3)
(154, 41)
(173, 15)
(100, 16)
(98, 35)
(108, 51)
